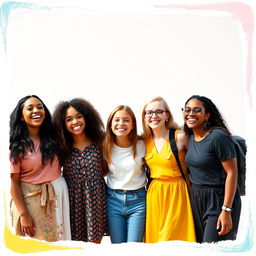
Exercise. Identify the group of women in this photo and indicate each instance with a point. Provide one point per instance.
(59, 164)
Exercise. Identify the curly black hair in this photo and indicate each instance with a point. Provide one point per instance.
(19, 140)
(215, 120)
(94, 128)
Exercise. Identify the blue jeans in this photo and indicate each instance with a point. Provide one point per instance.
(126, 215)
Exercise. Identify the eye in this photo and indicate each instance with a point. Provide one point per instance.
(149, 113)
(159, 111)
(40, 107)
(197, 109)
(187, 110)
(68, 119)
(79, 116)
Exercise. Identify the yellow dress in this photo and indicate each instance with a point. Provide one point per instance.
(168, 213)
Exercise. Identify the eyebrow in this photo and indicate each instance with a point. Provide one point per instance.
(77, 114)
(38, 104)
(121, 117)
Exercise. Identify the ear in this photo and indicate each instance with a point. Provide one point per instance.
(207, 116)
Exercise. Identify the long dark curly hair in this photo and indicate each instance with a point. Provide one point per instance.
(215, 120)
(19, 140)
(94, 128)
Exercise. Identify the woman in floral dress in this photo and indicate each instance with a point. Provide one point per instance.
(80, 132)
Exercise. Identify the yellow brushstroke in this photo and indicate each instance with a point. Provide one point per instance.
(28, 245)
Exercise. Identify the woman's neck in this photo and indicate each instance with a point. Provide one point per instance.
(160, 133)
(123, 142)
(200, 133)
(34, 133)
(80, 140)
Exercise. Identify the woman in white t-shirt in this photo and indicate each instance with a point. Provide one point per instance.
(124, 152)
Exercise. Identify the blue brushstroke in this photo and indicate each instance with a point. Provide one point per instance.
(5, 11)
(248, 242)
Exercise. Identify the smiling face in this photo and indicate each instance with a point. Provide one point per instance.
(33, 113)
(75, 122)
(156, 115)
(195, 115)
(121, 124)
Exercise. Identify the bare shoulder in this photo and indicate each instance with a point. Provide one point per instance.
(182, 135)
(182, 139)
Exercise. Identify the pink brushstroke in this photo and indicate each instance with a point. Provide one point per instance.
(239, 11)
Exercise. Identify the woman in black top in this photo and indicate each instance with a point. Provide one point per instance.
(211, 159)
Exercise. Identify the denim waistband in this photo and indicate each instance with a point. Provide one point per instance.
(122, 191)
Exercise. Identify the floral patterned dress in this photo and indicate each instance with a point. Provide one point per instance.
(87, 194)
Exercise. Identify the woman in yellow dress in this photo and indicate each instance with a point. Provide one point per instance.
(168, 210)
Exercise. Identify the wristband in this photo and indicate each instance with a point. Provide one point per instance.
(226, 208)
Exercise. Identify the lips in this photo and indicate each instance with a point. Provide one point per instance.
(191, 120)
(36, 117)
(76, 128)
(121, 129)
(155, 121)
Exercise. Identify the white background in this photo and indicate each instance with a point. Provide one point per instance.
(113, 53)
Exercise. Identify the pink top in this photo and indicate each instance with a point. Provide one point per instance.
(31, 169)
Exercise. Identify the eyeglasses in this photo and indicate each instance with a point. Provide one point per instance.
(195, 110)
(158, 112)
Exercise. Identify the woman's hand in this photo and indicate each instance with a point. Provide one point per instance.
(224, 223)
(27, 225)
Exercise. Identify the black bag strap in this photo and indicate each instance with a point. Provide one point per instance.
(175, 150)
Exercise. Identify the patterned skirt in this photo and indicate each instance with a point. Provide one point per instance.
(48, 205)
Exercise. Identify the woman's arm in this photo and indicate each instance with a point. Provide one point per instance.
(105, 168)
(182, 141)
(225, 221)
(27, 224)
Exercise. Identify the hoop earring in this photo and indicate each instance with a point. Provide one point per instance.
(207, 125)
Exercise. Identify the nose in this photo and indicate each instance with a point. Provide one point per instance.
(35, 109)
(74, 121)
(154, 113)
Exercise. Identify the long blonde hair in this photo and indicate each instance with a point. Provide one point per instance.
(168, 124)
(110, 136)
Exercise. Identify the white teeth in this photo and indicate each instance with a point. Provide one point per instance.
(121, 129)
(36, 117)
(76, 128)
(191, 119)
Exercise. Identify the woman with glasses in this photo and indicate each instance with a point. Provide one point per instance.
(169, 214)
(211, 159)
(124, 152)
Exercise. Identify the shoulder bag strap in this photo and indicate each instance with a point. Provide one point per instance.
(175, 150)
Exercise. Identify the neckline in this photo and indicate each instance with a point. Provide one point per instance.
(122, 148)
(74, 148)
(155, 148)
(198, 141)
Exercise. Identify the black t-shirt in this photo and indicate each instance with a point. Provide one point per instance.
(204, 158)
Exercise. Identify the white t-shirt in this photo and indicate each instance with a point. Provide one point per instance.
(125, 172)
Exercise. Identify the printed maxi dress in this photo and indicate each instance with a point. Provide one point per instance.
(87, 194)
